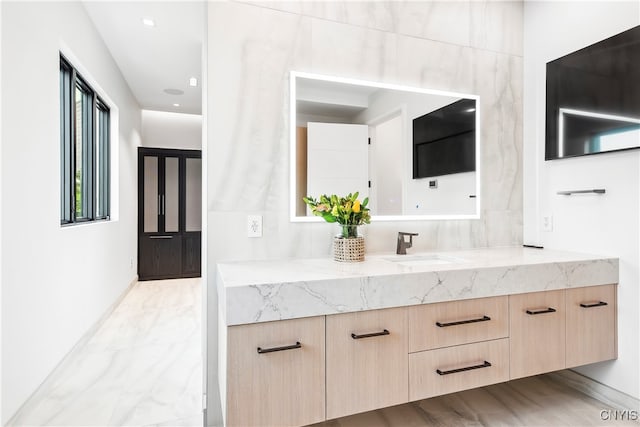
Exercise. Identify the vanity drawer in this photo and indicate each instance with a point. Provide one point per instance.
(591, 325)
(276, 373)
(537, 333)
(367, 365)
(457, 322)
(447, 370)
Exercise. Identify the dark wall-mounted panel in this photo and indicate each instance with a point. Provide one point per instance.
(444, 140)
(593, 98)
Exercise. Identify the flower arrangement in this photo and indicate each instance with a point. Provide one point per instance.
(347, 211)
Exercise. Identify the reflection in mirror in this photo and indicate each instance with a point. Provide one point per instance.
(412, 151)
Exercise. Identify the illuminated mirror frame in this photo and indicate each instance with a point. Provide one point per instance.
(292, 145)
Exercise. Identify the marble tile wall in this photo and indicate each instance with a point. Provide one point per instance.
(473, 47)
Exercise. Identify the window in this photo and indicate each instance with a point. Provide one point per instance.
(84, 150)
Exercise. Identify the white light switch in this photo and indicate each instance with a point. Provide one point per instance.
(254, 226)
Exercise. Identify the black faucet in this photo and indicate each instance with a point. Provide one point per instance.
(402, 244)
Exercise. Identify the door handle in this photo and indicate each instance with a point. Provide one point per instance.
(595, 304)
(463, 322)
(468, 368)
(374, 334)
(546, 310)
(161, 237)
(274, 349)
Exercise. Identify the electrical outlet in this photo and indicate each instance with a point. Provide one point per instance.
(547, 223)
(254, 226)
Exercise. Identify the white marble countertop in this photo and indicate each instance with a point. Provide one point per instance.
(260, 291)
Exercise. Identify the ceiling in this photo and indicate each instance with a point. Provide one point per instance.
(153, 59)
(332, 99)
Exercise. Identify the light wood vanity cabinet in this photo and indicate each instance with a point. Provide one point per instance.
(458, 345)
(591, 325)
(367, 365)
(276, 373)
(451, 369)
(537, 337)
(457, 322)
(302, 371)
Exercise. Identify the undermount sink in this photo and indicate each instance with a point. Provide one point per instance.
(419, 260)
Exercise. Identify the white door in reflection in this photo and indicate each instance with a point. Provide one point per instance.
(337, 159)
(386, 167)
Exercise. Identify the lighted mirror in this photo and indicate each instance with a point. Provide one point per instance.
(414, 152)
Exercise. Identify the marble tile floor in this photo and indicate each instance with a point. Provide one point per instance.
(532, 402)
(141, 367)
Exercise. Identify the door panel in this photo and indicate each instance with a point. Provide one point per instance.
(171, 200)
(591, 325)
(161, 258)
(367, 362)
(337, 159)
(169, 204)
(191, 254)
(151, 195)
(537, 333)
(193, 205)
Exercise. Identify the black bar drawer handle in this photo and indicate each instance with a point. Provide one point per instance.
(286, 347)
(595, 304)
(463, 322)
(468, 368)
(546, 310)
(375, 334)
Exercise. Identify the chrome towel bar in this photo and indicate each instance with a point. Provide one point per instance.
(570, 192)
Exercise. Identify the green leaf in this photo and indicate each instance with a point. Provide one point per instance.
(328, 217)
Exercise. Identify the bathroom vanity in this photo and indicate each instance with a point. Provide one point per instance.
(305, 340)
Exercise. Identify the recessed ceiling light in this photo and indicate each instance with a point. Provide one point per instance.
(176, 105)
(193, 82)
(173, 91)
(149, 22)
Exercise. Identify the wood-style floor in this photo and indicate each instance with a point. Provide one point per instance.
(536, 402)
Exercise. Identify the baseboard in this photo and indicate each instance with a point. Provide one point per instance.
(64, 363)
(592, 388)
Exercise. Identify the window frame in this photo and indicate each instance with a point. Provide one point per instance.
(95, 135)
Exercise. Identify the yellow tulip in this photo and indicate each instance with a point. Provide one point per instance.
(356, 206)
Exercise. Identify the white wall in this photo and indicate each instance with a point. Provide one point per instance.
(161, 129)
(470, 47)
(605, 224)
(1, 238)
(56, 282)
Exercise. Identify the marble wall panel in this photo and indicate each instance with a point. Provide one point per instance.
(351, 51)
(445, 21)
(497, 26)
(484, 24)
(469, 47)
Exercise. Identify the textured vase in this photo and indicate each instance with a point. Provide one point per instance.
(348, 246)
